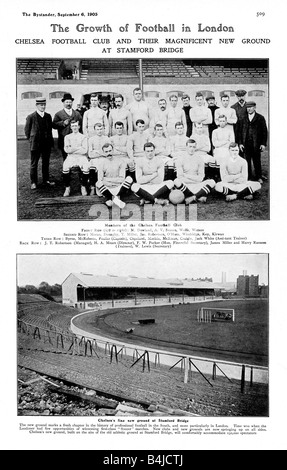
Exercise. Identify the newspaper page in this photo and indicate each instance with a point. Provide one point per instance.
(143, 243)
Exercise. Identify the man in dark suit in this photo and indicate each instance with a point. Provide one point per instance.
(186, 108)
(252, 139)
(38, 129)
(240, 109)
(62, 120)
(211, 103)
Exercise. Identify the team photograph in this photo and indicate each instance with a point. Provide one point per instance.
(140, 139)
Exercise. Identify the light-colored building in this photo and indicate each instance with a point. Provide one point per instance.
(83, 290)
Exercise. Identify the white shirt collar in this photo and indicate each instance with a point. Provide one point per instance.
(68, 111)
(41, 113)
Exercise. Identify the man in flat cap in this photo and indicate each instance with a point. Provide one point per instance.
(62, 120)
(240, 108)
(252, 140)
(38, 129)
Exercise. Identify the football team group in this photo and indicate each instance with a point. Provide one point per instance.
(168, 153)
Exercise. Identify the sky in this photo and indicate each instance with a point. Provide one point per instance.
(33, 269)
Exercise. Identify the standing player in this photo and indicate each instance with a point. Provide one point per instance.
(120, 113)
(93, 116)
(200, 113)
(139, 109)
(227, 111)
(159, 116)
(38, 129)
(150, 186)
(234, 182)
(175, 114)
(76, 148)
(222, 137)
(190, 176)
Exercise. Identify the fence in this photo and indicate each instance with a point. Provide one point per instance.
(77, 341)
(205, 366)
(144, 302)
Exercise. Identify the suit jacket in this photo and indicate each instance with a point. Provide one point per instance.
(58, 123)
(34, 135)
(240, 110)
(259, 129)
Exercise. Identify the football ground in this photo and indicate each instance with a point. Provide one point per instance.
(176, 328)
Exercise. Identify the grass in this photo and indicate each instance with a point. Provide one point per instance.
(245, 340)
(216, 208)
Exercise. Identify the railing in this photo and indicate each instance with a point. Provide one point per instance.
(78, 342)
(139, 301)
(203, 365)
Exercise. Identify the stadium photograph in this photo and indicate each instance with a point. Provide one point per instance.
(143, 335)
(142, 139)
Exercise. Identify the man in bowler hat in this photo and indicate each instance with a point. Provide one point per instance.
(252, 140)
(38, 130)
(62, 120)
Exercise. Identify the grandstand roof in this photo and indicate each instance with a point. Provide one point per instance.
(92, 280)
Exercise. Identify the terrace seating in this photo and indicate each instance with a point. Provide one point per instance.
(47, 67)
(107, 68)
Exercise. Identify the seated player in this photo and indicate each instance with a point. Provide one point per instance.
(150, 186)
(76, 148)
(120, 113)
(178, 141)
(221, 139)
(190, 175)
(119, 141)
(161, 143)
(163, 149)
(137, 140)
(203, 145)
(95, 152)
(177, 147)
(94, 115)
(160, 116)
(135, 145)
(225, 109)
(175, 114)
(112, 181)
(234, 182)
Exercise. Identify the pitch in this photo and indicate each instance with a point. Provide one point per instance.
(176, 327)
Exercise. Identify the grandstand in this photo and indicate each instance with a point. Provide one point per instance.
(46, 68)
(82, 290)
(122, 69)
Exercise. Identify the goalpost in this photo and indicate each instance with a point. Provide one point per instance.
(208, 314)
